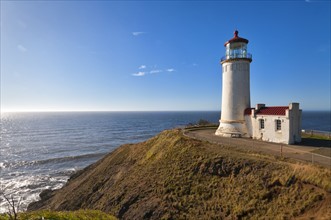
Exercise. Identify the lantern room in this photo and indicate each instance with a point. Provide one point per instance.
(236, 48)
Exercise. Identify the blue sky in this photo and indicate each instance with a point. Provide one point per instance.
(144, 55)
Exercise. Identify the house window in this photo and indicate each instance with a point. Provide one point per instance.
(278, 125)
(261, 123)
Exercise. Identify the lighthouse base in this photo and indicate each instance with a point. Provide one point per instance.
(232, 129)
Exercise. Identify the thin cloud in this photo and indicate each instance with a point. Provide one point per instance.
(155, 71)
(139, 74)
(21, 48)
(143, 70)
(137, 33)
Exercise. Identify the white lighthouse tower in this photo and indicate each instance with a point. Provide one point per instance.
(235, 88)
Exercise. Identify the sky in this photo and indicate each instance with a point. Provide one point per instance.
(159, 55)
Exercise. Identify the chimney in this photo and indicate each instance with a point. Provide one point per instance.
(294, 106)
(259, 106)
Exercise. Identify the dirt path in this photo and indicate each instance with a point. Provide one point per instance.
(298, 152)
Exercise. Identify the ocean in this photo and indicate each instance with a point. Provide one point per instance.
(40, 151)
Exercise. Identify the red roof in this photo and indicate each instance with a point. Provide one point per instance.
(236, 38)
(248, 111)
(273, 110)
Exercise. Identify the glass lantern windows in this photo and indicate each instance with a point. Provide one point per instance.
(236, 50)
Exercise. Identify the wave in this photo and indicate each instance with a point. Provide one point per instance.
(18, 164)
(2, 165)
(28, 187)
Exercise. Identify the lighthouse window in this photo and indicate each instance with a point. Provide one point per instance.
(278, 125)
(261, 123)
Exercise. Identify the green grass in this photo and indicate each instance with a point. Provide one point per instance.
(199, 127)
(65, 215)
(315, 136)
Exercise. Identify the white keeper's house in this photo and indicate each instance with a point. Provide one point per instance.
(280, 124)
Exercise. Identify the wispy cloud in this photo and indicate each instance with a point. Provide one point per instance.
(137, 33)
(21, 48)
(139, 74)
(155, 71)
(143, 70)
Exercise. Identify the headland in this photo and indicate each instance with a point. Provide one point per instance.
(175, 176)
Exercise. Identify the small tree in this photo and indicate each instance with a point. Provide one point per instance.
(203, 122)
(13, 206)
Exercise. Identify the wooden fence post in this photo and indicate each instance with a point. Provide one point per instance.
(312, 158)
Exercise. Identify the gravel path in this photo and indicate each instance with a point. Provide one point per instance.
(298, 152)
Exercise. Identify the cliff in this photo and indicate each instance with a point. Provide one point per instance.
(172, 176)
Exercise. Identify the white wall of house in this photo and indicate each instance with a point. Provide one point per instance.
(288, 130)
(270, 132)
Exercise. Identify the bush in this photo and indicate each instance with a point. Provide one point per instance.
(203, 122)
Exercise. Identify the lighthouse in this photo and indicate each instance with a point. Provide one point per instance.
(279, 124)
(235, 88)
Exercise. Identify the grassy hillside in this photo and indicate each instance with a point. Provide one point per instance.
(174, 177)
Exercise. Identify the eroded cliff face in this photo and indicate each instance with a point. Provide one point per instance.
(172, 176)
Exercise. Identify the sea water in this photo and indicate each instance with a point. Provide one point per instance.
(41, 150)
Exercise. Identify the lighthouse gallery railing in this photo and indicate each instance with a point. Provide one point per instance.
(234, 56)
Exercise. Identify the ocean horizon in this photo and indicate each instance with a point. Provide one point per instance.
(40, 150)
